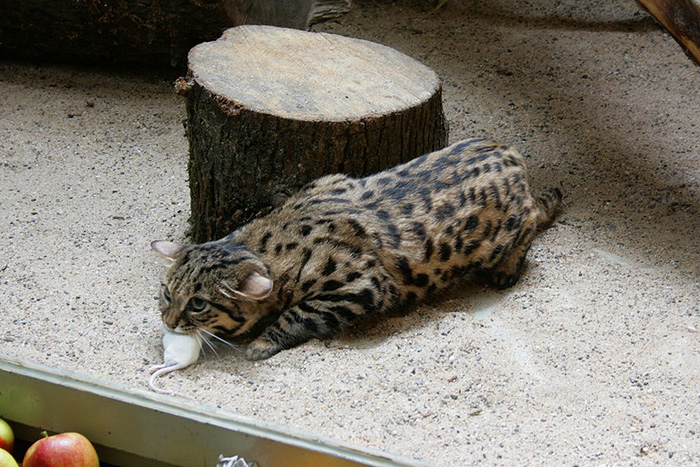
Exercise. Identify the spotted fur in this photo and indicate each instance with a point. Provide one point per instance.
(342, 249)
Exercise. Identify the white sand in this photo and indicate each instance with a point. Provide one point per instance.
(592, 358)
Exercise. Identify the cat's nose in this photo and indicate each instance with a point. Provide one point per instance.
(171, 325)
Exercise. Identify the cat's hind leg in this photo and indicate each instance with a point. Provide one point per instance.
(506, 275)
(508, 270)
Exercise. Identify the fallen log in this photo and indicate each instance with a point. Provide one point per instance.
(149, 32)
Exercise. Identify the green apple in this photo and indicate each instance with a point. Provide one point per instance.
(63, 450)
(7, 437)
(6, 459)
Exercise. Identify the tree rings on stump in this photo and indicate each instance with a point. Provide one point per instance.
(270, 109)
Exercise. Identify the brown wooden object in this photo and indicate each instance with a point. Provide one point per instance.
(153, 32)
(298, 14)
(681, 18)
(108, 31)
(270, 109)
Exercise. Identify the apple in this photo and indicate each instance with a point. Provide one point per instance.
(6, 459)
(63, 450)
(7, 437)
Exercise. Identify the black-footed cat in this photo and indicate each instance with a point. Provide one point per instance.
(342, 248)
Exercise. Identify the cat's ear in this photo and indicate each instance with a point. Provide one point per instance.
(254, 287)
(168, 250)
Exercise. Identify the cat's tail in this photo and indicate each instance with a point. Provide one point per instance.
(548, 206)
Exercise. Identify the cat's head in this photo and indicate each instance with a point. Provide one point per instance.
(215, 286)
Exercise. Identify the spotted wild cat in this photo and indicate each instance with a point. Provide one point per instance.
(345, 248)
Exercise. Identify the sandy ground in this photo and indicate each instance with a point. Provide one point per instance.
(593, 358)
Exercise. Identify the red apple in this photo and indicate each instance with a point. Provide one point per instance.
(6, 459)
(7, 438)
(64, 450)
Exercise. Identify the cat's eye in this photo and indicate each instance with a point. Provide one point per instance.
(166, 293)
(198, 303)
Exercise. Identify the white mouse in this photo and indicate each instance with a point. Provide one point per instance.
(179, 351)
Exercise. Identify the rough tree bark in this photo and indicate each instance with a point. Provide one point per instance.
(270, 109)
(297, 14)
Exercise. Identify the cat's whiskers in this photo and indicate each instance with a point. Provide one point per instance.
(223, 341)
(206, 340)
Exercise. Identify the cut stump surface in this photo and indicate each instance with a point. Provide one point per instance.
(271, 109)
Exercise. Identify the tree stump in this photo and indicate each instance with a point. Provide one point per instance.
(271, 109)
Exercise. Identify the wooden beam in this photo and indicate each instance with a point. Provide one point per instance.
(681, 18)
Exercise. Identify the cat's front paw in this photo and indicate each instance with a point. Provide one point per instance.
(260, 350)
